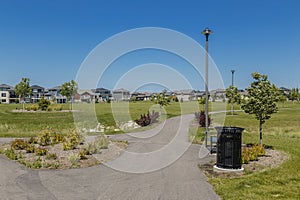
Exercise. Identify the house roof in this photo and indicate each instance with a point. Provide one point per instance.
(36, 87)
(120, 90)
(5, 86)
(98, 90)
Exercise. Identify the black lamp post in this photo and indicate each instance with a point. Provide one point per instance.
(232, 77)
(206, 32)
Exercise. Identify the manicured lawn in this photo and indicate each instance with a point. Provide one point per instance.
(282, 131)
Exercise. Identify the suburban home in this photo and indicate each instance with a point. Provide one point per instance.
(102, 94)
(7, 94)
(218, 95)
(185, 95)
(121, 95)
(86, 96)
(37, 93)
(54, 94)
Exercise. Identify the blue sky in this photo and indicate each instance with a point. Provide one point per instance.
(48, 40)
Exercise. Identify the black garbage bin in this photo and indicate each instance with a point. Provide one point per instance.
(229, 142)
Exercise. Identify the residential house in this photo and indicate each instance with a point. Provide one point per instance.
(102, 94)
(54, 94)
(121, 95)
(37, 93)
(86, 96)
(185, 95)
(4, 93)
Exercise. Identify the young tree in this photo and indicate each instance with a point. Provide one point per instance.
(282, 99)
(161, 99)
(202, 101)
(262, 98)
(23, 89)
(232, 93)
(68, 89)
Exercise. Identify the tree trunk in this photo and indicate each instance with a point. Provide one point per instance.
(260, 132)
(232, 108)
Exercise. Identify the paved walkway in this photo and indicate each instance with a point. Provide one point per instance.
(180, 180)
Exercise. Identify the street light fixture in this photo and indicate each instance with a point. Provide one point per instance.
(206, 32)
(232, 72)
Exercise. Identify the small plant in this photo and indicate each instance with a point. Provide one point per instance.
(33, 107)
(37, 164)
(10, 153)
(19, 144)
(44, 138)
(41, 151)
(30, 148)
(51, 156)
(43, 104)
(200, 117)
(58, 138)
(252, 153)
(101, 142)
(147, 119)
(32, 140)
(74, 159)
(74, 138)
(57, 108)
(83, 154)
(90, 149)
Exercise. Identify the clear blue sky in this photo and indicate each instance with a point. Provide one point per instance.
(48, 40)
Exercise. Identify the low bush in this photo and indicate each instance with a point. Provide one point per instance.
(200, 117)
(147, 119)
(74, 159)
(41, 151)
(43, 104)
(10, 153)
(58, 138)
(57, 107)
(252, 153)
(44, 138)
(30, 148)
(33, 107)
(74, 138)
(19, 144)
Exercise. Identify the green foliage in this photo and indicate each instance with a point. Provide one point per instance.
(74, 138)
(57, 108)
(32, 140)
(10, 153)
(30, 148)
(161, 99)
(23, 88)
(43, 104)
(252, 153)
(202, 101)
(40, 151)
(101, 142)
(57, 138)
(44, 138)
(232, 94)
(74, 159)
(37, 164)
(261, 99)
(19, 144)
(51, 156)
(83, 154)
(32, 107)
(68, 89)
(294, 94)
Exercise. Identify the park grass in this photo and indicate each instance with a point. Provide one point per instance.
(282, 132)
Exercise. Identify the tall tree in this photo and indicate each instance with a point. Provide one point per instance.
(23, 89)
(202, 101)
(232, 93)
(68, 89)
(261, 99)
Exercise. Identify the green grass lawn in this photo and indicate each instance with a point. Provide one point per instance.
(282, 132)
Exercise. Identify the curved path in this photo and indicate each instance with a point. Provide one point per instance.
(180, 180)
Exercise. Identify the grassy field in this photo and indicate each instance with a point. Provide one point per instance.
(282, 132)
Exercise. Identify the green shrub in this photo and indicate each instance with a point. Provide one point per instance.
(19, 144)
(43, 104)
(30, 148)
(10, 153)
(32, 140)
(252, 153)
(57, 108)
(74, 159)
(44, 138)
(90, 149)
(33, 107)
(41, 151)
(37, 164)
(58, 138)
(83, 154)
(74, 138)
(101, 142)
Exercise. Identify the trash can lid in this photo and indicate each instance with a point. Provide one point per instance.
(229, 129)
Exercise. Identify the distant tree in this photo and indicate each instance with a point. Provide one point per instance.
(233, 96)
(282, 99)
(294, 94)
(202, 101)
(23, 89)
(261, 99)
(68, 89)
(161, 99)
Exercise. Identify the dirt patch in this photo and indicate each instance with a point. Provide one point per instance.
(272, 159)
